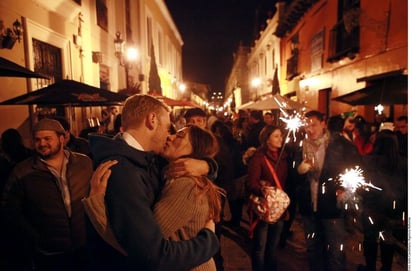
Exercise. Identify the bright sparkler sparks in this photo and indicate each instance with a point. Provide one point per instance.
(293, 123)
(353, 179)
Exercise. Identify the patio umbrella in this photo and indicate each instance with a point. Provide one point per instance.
(172, 102)
(68, 93)
(276, 101)
(11, 69)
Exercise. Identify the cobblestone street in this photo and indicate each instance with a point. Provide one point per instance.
(236, 247)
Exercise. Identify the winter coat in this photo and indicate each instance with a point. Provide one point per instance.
(33, 208)
(341, 154)
(258, 170)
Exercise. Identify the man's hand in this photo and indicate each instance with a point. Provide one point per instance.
(340, 194)
(187, 167)
(98, 182)
(305, 167)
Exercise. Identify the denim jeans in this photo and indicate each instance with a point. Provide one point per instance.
(265, 243)
(325, 243)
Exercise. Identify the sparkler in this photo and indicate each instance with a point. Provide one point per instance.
(293, 123)
(353, 179)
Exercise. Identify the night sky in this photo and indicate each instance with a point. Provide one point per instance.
(212, 31)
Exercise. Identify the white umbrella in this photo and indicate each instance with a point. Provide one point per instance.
(276, 101)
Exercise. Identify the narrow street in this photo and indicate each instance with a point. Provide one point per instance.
(236, 247)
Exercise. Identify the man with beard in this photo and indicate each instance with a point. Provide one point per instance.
(41, 206)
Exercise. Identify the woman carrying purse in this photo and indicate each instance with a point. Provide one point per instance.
(266, 236)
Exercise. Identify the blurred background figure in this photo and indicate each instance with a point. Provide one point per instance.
(268, 118)
(239, 131)
(363, 137)
(12, 151)
(401, 129)
(196, 116)
(349, 125)
(383, 211)
(256, 124)
(229, 159)
(180, 122)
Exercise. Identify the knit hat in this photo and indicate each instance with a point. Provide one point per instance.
(48, 124)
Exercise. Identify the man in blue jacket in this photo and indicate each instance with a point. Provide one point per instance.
(132, 189)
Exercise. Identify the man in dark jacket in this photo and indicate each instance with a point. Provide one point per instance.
(132, 189)
(41, 207)
(324, 156)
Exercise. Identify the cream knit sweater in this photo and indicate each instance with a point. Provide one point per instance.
(182, 212)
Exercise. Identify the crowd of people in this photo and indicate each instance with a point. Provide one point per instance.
(148, 193)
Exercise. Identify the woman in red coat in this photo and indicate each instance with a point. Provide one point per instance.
(266, 236)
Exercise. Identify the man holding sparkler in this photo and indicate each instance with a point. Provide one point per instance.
(325, 154)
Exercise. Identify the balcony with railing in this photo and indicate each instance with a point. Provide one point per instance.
(292, 65)
(344, 41)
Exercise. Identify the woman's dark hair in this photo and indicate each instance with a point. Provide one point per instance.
(364, 128)
(266, 132)
(239, 122)
(335, 124)
(221, 129)
(317, 114)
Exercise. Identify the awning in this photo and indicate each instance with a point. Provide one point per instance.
(380, 89)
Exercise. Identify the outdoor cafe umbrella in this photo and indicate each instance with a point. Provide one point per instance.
(68, 93)
(276, 101)
(11, 69)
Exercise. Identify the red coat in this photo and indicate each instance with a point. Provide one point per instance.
(258, 170)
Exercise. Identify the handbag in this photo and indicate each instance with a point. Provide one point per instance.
(272, 205)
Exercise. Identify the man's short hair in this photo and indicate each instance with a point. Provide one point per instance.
(335, 124)
(137, 107)
(195, 112)
(257, 114)
(317, 114)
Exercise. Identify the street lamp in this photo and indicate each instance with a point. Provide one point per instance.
(182, 87)
(126, 53)
(256, 83)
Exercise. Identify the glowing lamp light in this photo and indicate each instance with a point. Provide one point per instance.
(379, 108)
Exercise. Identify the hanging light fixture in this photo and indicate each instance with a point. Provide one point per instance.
(9, 36)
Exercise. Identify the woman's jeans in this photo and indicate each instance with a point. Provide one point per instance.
(265, 243)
